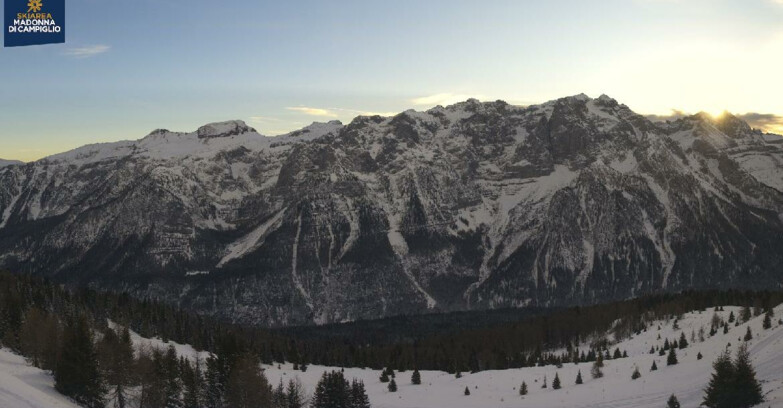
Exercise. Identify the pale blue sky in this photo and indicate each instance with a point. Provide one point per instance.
(128, 67)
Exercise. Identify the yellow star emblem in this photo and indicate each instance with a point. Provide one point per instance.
(34, 5)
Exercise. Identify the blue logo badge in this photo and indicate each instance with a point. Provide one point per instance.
(33, 22)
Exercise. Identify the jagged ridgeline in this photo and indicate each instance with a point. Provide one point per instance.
(469, 207)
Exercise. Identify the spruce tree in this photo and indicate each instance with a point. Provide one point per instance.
(718, 393)
(683, 342)
(523, 388)
(699, 356)
(671, 359)
(385, 377)
(767, 320)
(556, 382)
(215, 378)
(467, 391)
(392, 386)
(332, 391)
(731, 317)
(78, 374)
(636, 374)
(247, 386)
(544, 384)
(579, 377)
(746, 314)
(747, 388)
(193, 382)
(359, 398)
(596, 371)
(416, 377)
(672, 402)
(725, 328)
(654, 366)
(172, 379)
(748, 335)
(116, 356)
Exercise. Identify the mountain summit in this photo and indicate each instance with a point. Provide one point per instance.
(471, 206)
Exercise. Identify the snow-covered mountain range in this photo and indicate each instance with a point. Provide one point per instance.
(474, 205)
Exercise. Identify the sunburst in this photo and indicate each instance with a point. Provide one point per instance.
(34, 5)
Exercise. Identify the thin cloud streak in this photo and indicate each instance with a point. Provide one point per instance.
(445, 98)
(87, 51)
(312, 111)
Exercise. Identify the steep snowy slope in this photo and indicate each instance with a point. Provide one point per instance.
(24, 386)
(686, 380)
(471, 206)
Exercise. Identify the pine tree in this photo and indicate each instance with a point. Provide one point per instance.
(671, 359)
(523, 388)
(699, 356)
(672, 402)
(747, 388)
(683, 342)
(579, 377)
(556, 382)
(392, 386)
(385, 377)
(467, 391)
(116, 356)
(767, 320)
(77, 374)
(359, 398)
(731, 317)
(636, 374)
(719, 390)
(654, 366)
(748, 335)
(746, 314)
(192, 382)
(172, 379)
(596, 371)
(215, 379)
(617, 354)
(652, 350)
(725, 328)
(279, 398)
(247, 386)
(333, 391)
(416, 377)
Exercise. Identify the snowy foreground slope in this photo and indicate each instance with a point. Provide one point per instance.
(24, 386)
(500, 388)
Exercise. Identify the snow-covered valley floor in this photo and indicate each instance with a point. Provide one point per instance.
(616, 389)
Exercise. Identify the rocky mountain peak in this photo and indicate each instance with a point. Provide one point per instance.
(474, 205)
(223, 129)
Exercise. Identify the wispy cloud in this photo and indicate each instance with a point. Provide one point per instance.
(87, 51)
(674, 115)
(445, 98)
(336, 112)
(768, 122)
(313, 111)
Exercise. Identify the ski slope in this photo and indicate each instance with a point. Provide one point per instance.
(24, 386)
(616, 389)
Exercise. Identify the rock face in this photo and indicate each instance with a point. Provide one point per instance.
(476, 205)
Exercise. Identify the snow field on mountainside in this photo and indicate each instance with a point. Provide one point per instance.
(500, 388)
